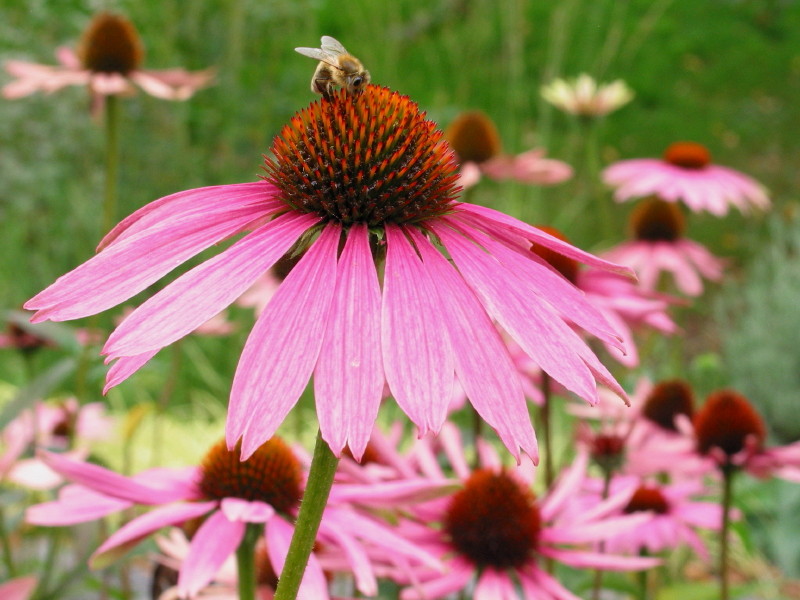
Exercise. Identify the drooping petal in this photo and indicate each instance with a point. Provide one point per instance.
(533, 324)
(283, 347)
(236, 509)
(215, 540)
(356, 557)
(203, 292)
(457, 578)
(482, 361)
(126, 366)
(493, 585)
(205, 203)
(19, 588)
(348, 379)
(490, 220)
(566, 487)
(139, 528)
(130, 265)
(118, 486)
(75, 504)
(417, 356)
(596, 560)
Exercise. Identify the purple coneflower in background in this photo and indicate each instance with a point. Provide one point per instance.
(229, 496)
(659, 246)
(476, 142)
(355, 182)
(686, 173)
(108, 62)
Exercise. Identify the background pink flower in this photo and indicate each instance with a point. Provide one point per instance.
(686, 173)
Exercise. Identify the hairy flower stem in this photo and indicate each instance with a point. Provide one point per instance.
(597, 586)
(246, 561)
(8, 554)
(318, 488)
(727, 499)
(547, 427)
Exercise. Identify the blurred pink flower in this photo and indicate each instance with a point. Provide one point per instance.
(19, 588)
(660, 246)
(108, 63)
(332, 316)
(227, 494)
(493, 533)
(686, 173)
(729, 431)
(674, 514)
(476, 142)
(50, 425)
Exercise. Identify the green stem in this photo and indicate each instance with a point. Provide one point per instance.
(320, 480)
(246, 561)
(477, 431)
(644, 577)
(724, 549)
(547, 429)
(112, 163)
(598, 574)
(8, 555)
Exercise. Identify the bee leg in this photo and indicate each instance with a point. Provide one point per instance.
(323, 87)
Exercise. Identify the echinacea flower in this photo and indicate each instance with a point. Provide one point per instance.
(494, 534)
(55, 426)
(729, 430)
(583, 96)
(659, 246)
(356, 180)
(108, 62)
(686, 173)
(623, 303)
(476, 142)
(675, 515)
(227, 494)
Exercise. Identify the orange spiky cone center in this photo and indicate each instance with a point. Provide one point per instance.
(666, 401)
(369, 158)
(654, 220)
(647, 498)
(689, 155)
(726, 421)
(474, 137)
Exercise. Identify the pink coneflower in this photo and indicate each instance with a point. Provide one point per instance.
(623, 303)
(660, 246)
(229, 495)
(674, 514)
(494, 534)
(56, 426)
(356, 180)
(729, 430)
(686, 173)
(476, 142)
(108, 62)
(583, 96)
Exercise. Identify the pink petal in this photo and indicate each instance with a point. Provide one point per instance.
(213, 543)
(279, 534)
(75, 504)
(20, 588)
(566, 488)
(489, 221)
(139, 528)
(283, 347)
(203, 292)
(594, 560)
(118, 486)
(456, 579)
(131, 264)
(482, 361)
(355, 555)
(199, 203)
(417, 356)
(494, 586)
(236, 509)
(532, 323)
(350, 368)
(126, 366)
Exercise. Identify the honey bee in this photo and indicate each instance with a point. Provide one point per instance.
(337, 68)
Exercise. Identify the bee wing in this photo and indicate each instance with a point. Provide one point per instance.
(314, 53)
(332, 46)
